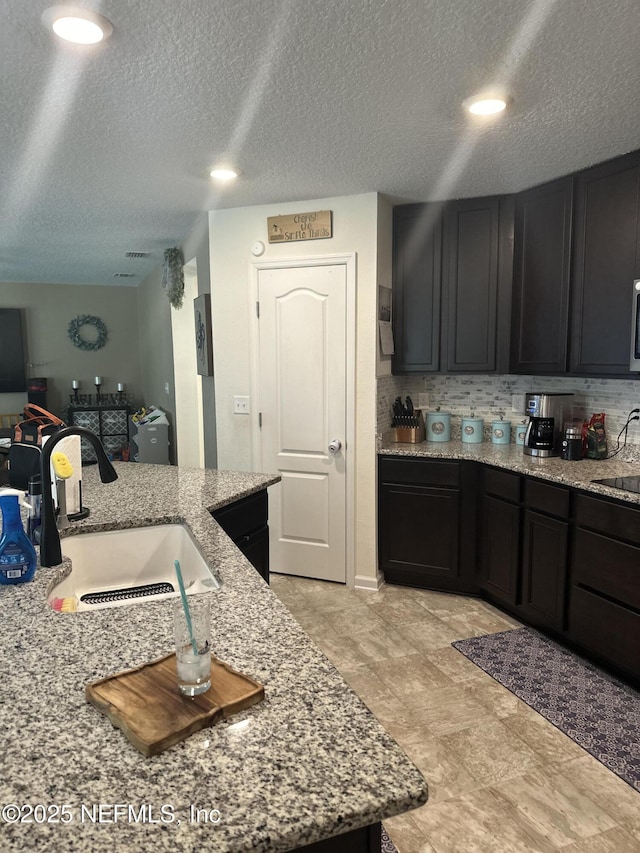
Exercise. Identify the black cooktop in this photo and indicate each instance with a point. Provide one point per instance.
(627, 484)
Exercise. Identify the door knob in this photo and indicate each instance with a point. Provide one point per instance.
(335, 445)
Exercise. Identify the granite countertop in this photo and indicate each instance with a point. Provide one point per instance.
(578, 474)
(308, 762)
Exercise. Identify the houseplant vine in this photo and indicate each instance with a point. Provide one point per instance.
(173, 275)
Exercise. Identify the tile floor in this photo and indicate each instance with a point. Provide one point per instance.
(501, 778)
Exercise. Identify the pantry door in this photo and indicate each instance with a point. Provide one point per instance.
(302, 390)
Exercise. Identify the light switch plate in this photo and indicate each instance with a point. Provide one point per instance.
(241, 406)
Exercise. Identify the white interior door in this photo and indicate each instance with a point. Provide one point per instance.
(302, 391)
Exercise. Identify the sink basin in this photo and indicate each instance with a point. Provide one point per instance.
(120, 567)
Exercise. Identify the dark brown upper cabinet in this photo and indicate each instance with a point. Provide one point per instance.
(606, 260)
(541, 267)
(451, 284)
(470, 284)
(417, 263)
(546, 289)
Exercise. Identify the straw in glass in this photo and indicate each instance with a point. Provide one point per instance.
(185, 606)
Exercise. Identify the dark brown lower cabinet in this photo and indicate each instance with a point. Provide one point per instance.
(564, 561)
(604, 598)
(500, 535)
(523, 546)
(426, 508)
(500, 549)
(544, 554)
(365, 840)
(544, 560)
(245, 522)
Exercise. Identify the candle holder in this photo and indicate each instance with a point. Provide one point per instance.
(98, 382)
(75, 385)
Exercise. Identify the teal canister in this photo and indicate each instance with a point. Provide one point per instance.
(501, 432)
(521, 431)
(472, 430)
(438, 426)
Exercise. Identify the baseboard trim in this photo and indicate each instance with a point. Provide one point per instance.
(367, 582)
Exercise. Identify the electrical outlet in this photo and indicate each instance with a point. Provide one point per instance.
(241, 406)
(423, 400)
(518, 403)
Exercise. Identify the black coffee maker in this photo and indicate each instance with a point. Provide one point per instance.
(547, 412)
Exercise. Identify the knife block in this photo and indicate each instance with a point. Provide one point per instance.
(413, 434)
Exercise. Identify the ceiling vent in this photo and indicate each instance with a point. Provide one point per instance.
(136, 254)
(124, 275)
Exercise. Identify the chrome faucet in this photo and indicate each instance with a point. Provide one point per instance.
(50, 552)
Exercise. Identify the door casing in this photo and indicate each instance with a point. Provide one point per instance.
(349, 261)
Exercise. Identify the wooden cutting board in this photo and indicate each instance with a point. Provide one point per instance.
(146, 704)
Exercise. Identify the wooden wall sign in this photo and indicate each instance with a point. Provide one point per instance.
(300, 226)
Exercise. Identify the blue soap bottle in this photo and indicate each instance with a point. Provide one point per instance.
(17, 554)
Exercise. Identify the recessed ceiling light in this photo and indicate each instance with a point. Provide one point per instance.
(80, 26)
(486, 105)
(224, 174)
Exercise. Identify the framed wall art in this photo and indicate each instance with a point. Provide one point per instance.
(204, 342)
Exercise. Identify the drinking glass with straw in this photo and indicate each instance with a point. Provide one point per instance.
(191, 624)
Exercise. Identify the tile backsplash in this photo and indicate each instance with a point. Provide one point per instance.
(490, 395)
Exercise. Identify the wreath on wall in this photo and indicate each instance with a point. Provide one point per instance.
(173, 275)
(82, 343)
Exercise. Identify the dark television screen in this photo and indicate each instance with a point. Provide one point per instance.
(12, 372)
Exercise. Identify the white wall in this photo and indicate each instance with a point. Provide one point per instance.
(188, 386)
(232, 233)
(196, 245)
(156, 345)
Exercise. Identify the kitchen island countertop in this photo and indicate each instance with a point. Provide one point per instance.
(578, 474)
(308, 762)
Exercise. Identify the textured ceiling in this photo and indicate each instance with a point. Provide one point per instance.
(105, 150)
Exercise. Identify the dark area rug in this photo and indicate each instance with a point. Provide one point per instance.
(386, 845)
(597, 711)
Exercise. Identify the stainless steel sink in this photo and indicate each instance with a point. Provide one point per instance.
(121, 567)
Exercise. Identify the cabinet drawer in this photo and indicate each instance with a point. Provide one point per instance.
(607, 566)
(613, 519)
(551, 500)
(244, 516)
(421, 472)
(605, 628)
(502, 484)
